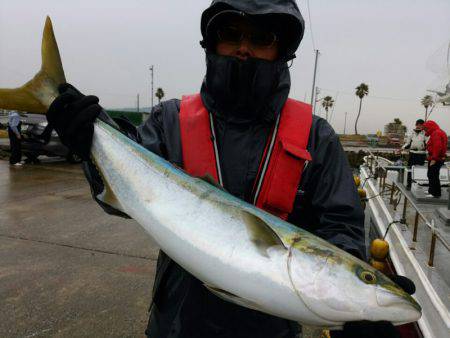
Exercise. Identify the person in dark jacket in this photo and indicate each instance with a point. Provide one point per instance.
(248, 45)
(437, 152)
(15, 138)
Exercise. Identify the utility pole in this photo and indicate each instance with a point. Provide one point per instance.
(138, 103)
(315, 99)
(345, 123)
(151, 95)
(314, 81)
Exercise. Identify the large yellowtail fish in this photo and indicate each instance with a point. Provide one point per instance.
(241, 253)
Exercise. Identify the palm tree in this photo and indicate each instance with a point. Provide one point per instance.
(327, 103)
(159, 94)
(361, 91)
(427, 102)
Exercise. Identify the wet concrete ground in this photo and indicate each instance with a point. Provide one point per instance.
(67, 269)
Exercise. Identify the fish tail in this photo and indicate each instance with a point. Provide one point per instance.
(36, 95)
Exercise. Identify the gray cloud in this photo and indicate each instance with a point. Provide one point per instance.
(107, 47)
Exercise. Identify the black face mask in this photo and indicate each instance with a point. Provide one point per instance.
(245, 91)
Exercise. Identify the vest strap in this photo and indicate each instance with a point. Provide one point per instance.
(283, 162)
(197, 144)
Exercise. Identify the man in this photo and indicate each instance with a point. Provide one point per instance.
(437, 152)
(14, 126)
(233, 126)
(415, 143)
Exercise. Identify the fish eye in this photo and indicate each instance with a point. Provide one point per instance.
(368, 277)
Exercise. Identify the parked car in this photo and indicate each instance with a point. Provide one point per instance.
(35, 144)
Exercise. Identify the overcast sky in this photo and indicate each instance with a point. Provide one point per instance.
(107, 47)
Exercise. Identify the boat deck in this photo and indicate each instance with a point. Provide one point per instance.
(439, 273)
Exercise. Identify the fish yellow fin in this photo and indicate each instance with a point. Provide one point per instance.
(108, 197)
(37, 94)
(261, 234)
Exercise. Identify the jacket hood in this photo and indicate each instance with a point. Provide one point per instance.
(285, 12)
(430, 127)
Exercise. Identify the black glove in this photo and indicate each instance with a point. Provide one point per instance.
(369, 329)
(405, 283)
(72, 114)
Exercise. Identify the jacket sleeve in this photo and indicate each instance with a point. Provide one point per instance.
(408, 141)
(435, 149)
(327, 203)
(159, 130)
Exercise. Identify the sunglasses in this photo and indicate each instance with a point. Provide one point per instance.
(257, 39)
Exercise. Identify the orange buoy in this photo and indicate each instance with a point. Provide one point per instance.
(362, 193)
(379, 249)
(357, 181)
(380, 266)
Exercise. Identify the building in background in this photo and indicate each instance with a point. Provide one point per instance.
(395, 132)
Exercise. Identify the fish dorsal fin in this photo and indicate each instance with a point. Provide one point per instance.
(261, 233)
(37, 94)
(209, 179)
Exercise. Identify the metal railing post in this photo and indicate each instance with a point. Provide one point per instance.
(432, 248)
(416, 226)
(405, 205)
(448, 205)
(401, 176)
(391, 200)
(433, 244)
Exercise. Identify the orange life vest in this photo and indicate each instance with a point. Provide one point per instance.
(283, 161)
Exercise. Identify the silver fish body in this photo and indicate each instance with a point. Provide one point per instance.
(242, 253)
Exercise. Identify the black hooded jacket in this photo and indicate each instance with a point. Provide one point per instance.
(327, 203)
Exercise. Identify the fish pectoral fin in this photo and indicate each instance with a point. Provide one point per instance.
(232, 298)
(107, 196)
(209, 179)
(261, 234)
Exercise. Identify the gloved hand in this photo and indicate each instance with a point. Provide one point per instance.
(369, 329)
(72, 114)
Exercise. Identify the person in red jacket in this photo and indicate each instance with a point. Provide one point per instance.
(437, 152)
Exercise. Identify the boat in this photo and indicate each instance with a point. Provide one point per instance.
(417, 229)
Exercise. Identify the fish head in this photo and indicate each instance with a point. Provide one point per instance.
(339, 288)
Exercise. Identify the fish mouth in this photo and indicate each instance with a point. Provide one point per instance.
(406, 308)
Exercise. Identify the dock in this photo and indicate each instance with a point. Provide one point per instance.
(66, 267)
